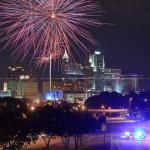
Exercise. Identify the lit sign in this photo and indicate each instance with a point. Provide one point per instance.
(53, 95)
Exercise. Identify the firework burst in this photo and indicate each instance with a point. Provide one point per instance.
(47, 27)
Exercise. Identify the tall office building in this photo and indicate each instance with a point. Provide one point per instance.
(15, 72)
(97, 63)
(66, 65)
(72, 75)
(71, 70)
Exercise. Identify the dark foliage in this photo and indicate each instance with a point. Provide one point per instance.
(15, 129)
(133, 100)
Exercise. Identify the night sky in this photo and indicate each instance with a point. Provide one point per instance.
(125, 43)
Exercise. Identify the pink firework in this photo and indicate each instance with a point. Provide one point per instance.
(48, 27)
(45, 59)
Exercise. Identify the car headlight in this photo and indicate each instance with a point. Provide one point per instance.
(127, 133)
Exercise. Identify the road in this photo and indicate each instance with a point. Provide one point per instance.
(88, 143)
(40, 144)
(119, 144)
(113, 141)
(129, 145)
(96, 142)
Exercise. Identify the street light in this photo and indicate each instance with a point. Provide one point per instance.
(83, 107)
(102, 107)
(109, 108)
(145, 100)
(32, 108)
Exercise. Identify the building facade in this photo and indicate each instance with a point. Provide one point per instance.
(15, 71)
(130, 82)
(112, 80)
(22, 88)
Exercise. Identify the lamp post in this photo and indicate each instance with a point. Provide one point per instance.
(130, 102)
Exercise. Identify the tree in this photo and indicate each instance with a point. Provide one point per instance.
(46, 123)
(109, 99)
(82, 123)
(93, 102)
(74, 124)
(51, 121)
(14, 128)
(64, 124)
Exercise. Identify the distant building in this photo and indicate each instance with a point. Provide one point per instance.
(112, 80)
(72, 79)
(88, 77)
(72, 71)
(13, 85)
(6, 94)
(130, 82)
(72, 89)
(98, 78)
(66, 64)
(30, 89)
(78, 82)
(55, 85)
(18, 72)
(22, 88)
(97, 63)
(15, 72)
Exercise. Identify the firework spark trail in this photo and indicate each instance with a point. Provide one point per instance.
(47, 27)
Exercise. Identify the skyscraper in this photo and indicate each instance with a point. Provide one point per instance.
(66, 65)
(97, 64)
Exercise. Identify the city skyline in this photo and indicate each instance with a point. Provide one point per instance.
(76, 82)
(66, 67)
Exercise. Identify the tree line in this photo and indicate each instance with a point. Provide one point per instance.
(20, 126)
(133, 100)
(137, 103)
